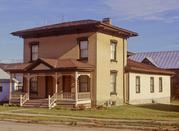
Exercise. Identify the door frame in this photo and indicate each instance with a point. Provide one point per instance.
(63, 83)
(48, 81)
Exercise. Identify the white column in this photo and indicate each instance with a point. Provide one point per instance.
(76, 88)
(10, 88)
(91, 85)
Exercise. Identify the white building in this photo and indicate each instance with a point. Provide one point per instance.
(147, 84)
(5, 85)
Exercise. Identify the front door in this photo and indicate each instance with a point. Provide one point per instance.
(66, 83)
(49, 85)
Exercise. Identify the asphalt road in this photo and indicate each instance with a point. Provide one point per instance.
(12, 126)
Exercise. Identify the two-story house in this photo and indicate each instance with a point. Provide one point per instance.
(76, 63)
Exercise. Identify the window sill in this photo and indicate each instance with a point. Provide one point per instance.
(114, 61)
(83, 59)
(113, 93)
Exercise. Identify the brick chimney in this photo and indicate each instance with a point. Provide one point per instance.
(107, 21)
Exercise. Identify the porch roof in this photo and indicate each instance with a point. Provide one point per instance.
(133, 66)
(51, 64)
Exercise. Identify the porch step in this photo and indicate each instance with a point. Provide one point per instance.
(15, 99)
(34, 103)
(65, 102)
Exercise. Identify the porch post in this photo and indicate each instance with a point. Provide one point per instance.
(28, 85)
(10, 89)
(56, 82)
(76, 89)
(91, 85)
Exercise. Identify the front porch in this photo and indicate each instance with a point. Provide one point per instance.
(46, 87)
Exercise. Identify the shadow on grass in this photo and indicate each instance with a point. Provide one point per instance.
(161, 107)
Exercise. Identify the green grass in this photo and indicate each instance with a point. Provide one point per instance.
(8, 108)
(152, 112)
(175, 102)
(142, 112)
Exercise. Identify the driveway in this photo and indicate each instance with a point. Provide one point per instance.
(12, 126)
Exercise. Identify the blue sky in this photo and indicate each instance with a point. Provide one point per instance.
(156, 21)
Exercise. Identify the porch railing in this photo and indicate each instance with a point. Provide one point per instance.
(84, 95)
(67, 96)
(71, 96)
(23, 98)
(52, 100)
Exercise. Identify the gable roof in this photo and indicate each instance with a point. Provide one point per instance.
(4, 75)
(61, 64)
(53, 64)
(73, 27)
(149, 60)
(133, 66)
(162, 59)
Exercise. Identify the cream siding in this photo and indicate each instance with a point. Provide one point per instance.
(145, 96)
(104, 66)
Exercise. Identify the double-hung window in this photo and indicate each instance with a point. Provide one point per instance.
(34, 51)
(137, 84)
(113, 82)
(160, 84)
(83, 44)
(152, 84)
(84, 84)
(113, 50)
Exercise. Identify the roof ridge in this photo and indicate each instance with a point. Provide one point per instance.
(150, 67)
(157, 51)
(151, 60)
(146, 65)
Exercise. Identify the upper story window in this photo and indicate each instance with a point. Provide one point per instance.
(152, 84)
(34, 51)
(83, 44)
(113, 82)
(137, 84)
(113, 50)
(160, 84)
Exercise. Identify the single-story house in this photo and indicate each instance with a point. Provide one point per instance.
(147, 84)
(5, 85)
(168, 60)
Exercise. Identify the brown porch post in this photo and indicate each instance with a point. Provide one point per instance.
(76, 89)
(10, 89)
(56, 82)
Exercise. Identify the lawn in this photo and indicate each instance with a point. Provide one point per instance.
(151, 112)
(8, 108)
(175, 102)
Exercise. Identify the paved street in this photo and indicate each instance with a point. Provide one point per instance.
(12, 126)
